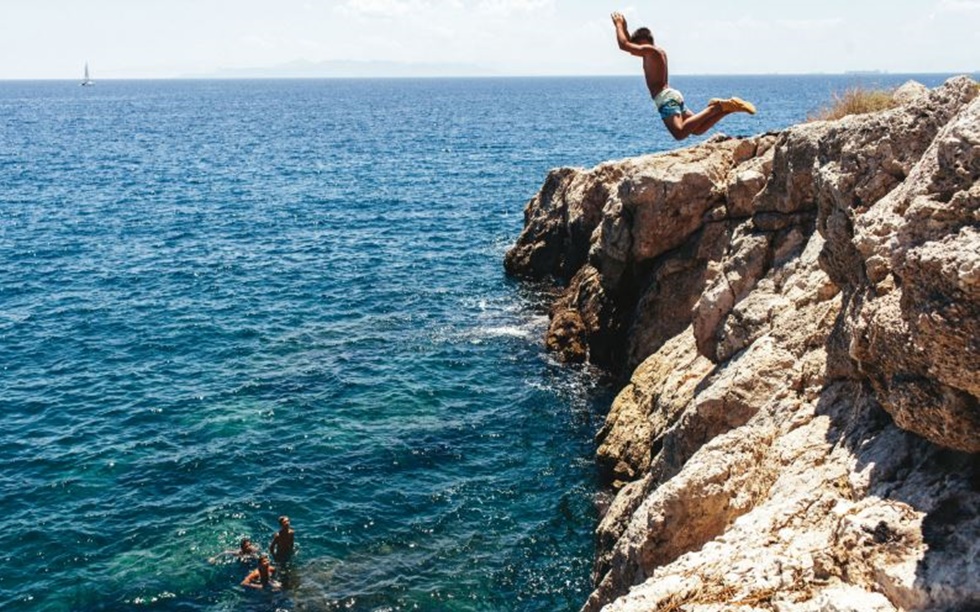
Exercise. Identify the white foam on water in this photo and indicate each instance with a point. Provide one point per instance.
(507, 331)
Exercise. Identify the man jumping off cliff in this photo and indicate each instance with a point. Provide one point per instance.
(670, 103)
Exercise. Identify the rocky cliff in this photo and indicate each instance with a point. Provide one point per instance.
(798, 315)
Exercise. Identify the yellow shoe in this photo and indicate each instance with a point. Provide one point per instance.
(745, 106)
(734, 105)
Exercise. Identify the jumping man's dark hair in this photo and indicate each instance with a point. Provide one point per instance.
(642, 36)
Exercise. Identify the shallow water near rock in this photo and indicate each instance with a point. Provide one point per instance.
(227, 300)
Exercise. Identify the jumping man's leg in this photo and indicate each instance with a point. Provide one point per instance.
(706, 119)
(683, 125)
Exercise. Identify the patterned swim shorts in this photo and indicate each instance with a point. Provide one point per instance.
(669, 102)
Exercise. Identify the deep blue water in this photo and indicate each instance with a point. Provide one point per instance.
(221, 301)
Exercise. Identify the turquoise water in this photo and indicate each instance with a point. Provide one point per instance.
(227, 300)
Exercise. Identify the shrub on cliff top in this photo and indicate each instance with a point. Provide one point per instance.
(855, 101)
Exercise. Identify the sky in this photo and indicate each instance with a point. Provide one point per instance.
(53, 39)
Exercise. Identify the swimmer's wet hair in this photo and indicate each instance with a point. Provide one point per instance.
(642, 35)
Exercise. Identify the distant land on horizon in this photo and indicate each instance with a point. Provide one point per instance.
(305, 69)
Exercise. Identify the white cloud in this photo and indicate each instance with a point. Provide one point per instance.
(509, 7)
(959, 6)
(504, 8)
(259, 41)
(740, 27)
(383, 7)
(309, 45)
(809, 24)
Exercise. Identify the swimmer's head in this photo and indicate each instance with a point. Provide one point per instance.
(284, 520)
(263, 559)
(246, 544)
(642, 36)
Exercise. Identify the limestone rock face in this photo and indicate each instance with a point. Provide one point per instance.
(559, 221)
(799, 318)
(916, 308)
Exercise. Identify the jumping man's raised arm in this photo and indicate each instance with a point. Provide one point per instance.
(623, 38)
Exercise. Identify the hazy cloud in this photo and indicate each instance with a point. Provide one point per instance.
(808, 24)
(509, 7)
(384, 7)
(259, 41)
(402, 7)
(960, 6)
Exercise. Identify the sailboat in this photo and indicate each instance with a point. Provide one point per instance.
(87, 82)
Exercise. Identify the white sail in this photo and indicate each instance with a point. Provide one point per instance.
(86, 82)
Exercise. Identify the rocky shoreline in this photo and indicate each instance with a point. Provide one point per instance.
(798, 318)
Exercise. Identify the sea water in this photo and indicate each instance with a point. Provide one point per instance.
(222, 301)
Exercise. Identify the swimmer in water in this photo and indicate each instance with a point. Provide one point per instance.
(246, 552)
(281, 547)
(261, 577)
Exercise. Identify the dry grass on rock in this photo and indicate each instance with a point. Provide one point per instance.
(855, 101)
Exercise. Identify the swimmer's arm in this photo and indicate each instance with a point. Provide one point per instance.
(225, 553)
(249, 581)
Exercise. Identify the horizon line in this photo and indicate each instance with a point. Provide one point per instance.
(856, 73)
